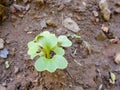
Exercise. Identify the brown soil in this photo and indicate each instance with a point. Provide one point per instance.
(94, 69)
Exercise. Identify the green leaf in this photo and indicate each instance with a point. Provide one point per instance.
(7, 65)
(46, 40)
(32, 49)
(51, 65)
(58, 50)
(64, 41)
(113, 77)
(75, 36)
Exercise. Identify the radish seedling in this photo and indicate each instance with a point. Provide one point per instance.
(49, 49)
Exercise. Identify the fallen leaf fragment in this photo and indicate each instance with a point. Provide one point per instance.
(7, 65)
(112, 78)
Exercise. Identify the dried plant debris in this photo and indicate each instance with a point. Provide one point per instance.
(112, 78)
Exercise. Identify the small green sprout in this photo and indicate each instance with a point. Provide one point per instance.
(49, 49)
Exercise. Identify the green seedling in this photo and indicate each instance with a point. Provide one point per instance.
(50, 50)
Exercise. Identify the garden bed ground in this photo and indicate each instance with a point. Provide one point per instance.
(86, 71)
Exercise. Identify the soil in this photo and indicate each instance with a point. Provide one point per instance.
(86, 71)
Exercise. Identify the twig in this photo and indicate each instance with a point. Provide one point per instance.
(77, 62)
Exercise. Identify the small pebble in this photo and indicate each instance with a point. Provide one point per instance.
(118, 3)
(16, 70)
(104, 28)
(1, 43)
(117, 10)
(117, 58)
(61, 7)
(95, 13)
(100, 37)
(13, 18)
(50, 23)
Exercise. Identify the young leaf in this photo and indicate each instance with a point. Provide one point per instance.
(58, 50)
(32, 49)
(51, 65)
(64, 41)
(46, 40)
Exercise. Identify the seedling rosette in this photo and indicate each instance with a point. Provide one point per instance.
(50, 50)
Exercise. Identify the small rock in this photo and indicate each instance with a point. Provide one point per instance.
(103, 4)
(97, 19)
(43, 24)
(71, 25)
(105, 29)
(117, 58)
(66, 1)
(70, 15)
(118, 3)
(106, 13)
(19, 7)
(12, 53)
(8, 41)
(27, 7)
(100, 37)
(16, 70)
(95, 13)
(26, 29)
(40, 2)
(81, 8)
(2, 88)
(4, 53)
(50, 23)
(1, 43)
(13, 18)
(30, 32)
(115, 40)
(61, 7)
(117, 10)
(12, 9)
(26, 1)
(20, 15)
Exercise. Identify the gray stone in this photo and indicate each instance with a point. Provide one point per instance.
(71, 25)
(43, 24)
(1, 43)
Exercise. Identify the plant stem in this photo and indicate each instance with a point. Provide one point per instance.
(48, 54)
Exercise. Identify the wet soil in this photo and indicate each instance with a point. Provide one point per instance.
(84, 72)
